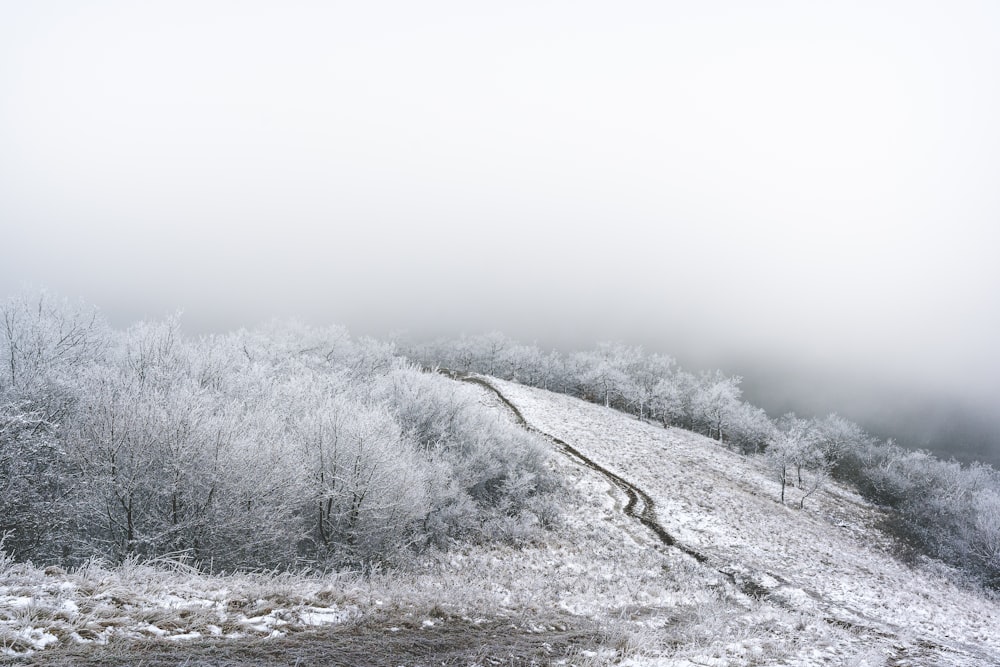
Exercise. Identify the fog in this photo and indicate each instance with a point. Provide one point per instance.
(804, 194)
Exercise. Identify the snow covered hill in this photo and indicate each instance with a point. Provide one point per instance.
(717, 573)
(826, 562)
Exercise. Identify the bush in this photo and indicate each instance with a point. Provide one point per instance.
(270, 448)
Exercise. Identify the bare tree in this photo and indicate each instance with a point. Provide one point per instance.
(792, 449)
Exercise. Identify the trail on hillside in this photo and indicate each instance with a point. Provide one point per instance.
(640, 505)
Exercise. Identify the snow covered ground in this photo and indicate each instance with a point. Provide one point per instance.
(95, 604)
(826, 562)
(779, 586)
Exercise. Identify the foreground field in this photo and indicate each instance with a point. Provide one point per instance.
(749, 581)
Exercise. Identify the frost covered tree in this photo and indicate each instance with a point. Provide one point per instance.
(553, 373)
(366, 491)
(983, 535)
(792, 449)
(379, 490)
(44, 343)
(605, 373)
(839, 438)
(647, 373)
(525, 364)
(673, 398)
(112, 450)
(751, 429)
(33, 483)
(714, 404)
(490, 350)
(265, 448)
(483, 471)
(133, 441)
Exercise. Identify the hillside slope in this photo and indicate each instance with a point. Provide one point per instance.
(714, 571)
(827, 561)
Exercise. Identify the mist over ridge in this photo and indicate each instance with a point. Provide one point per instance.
(803, 195)
(916, 412)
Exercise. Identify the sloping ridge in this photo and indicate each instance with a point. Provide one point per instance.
(641, 507)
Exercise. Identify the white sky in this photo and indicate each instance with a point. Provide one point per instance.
(813, 181)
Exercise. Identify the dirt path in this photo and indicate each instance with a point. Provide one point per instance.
(369, 643)
(639, 505)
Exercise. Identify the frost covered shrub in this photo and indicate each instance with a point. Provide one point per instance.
(31, 484)
(282, 446)
(172, 460)
(366, 488)
(941, 508)
(44, 344)
(751, 429)
(483, 467)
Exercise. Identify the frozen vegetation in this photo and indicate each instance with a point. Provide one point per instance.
(283, 447)
(289, 495)
(939, 508)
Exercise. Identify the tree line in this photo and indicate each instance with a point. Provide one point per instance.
(941, 508)
(290, 445)
(282, 446)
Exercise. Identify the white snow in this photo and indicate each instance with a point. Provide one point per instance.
(826, 561)
(781, 585)
(322, 616)
(15, 602)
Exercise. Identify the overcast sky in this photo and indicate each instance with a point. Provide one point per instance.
(813, 183)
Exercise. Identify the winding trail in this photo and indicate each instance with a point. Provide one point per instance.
(639, 505)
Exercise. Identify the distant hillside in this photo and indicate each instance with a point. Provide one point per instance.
(941, 508)
(936, 421)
